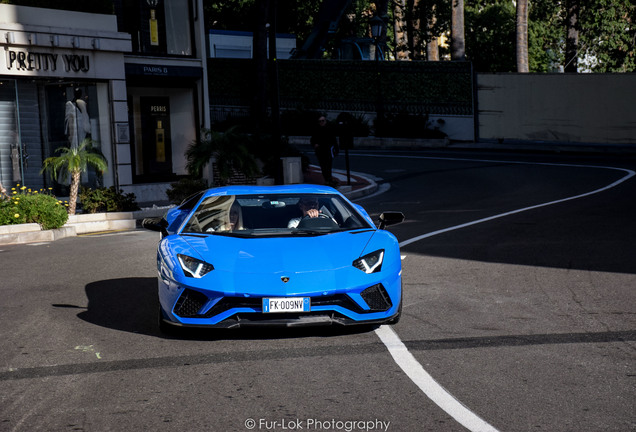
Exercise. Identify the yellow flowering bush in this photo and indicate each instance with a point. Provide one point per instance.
(27, 206)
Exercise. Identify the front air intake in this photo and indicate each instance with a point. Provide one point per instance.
(190, 303)
(377, 298)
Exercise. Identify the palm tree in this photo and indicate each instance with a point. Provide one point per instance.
(432, 47)
(522, 36)
(75, 161)
(399, 30)
(458, 49)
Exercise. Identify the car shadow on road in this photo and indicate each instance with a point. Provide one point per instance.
(131, 305)
(127, 304)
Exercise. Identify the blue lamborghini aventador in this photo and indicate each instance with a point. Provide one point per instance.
(276, 255)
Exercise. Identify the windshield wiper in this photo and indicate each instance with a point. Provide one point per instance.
(309, 232)
(200, 235)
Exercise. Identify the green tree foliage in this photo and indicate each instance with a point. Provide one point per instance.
(607, 27)
(229, 15)
(545, 36)
(490, 36)
(436, 16)
(294, 16)
(608, 35)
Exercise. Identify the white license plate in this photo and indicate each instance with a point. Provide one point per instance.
(286, 304)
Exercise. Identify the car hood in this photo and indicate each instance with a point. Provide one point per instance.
(281, 254)
(255, 265)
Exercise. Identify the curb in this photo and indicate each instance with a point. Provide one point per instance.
(76, 225)
(37, 236)
(353, 194)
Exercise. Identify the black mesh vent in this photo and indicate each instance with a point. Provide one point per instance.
(227, 303)
(190, 303)
(233, 302)
(377, 298)
(341, 300)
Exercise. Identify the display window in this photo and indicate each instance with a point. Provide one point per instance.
(163, 128)
(11, 165)
(37, 117)
(73, 113)
(158, 27)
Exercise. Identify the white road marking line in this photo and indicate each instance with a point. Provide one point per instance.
(431, 388)
(630, 174)
(409, 364)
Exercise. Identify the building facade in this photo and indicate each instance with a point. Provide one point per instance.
(239, 44)
(59, 86)
(133, 83)
(167, 91)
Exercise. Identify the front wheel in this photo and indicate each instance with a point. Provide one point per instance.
(396, 318)
(164, 327)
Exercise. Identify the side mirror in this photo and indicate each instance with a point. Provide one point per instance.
(390, 218)
(155, 224)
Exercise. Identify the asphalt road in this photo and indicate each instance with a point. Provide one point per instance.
(525, 319)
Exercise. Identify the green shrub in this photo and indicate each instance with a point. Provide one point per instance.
(29, 206)
(184, 188)
(107, 200)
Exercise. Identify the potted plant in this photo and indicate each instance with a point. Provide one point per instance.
(230, 151)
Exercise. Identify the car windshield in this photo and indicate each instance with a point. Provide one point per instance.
(274, 215)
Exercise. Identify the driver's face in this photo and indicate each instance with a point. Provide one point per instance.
(309, 204)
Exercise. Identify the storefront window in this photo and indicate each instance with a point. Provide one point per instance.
(39, 117)
(72, 113)
(163, 126)
(10, 148)
(158, 27)
(178, 27)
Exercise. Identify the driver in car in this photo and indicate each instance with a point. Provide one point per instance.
(309, 207)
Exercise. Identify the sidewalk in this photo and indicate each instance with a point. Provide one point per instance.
(379, 143)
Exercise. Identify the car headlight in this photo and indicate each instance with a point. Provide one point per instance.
(370, 263)
(193, 267)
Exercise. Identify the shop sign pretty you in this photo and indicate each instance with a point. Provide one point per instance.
(39, 61)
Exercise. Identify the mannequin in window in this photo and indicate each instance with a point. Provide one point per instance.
(77, 124)
(15, 163)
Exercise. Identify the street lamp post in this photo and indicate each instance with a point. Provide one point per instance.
(378, 27)
(378, 31)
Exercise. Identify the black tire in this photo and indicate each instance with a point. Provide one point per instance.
(164, 327)
(396, 318)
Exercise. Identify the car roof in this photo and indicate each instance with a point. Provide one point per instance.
(282, 189)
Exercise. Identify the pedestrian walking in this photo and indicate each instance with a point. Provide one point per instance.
(325, 146)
